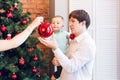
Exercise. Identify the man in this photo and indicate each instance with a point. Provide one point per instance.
(77, 62)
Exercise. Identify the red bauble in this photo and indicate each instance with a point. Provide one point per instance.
(30, 49)
(34, 70)
(9, 15)
(72, 36)
(0, 73)
(10, 9)
(24, 21)
(3, 28)
(45, 30)
(39, 75)
(16, 6)
(42, 71)
(35, 58)
(27, 19)
(14, 76)
(8, 36)
(21, 61)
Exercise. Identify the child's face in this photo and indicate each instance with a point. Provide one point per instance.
(57, 24)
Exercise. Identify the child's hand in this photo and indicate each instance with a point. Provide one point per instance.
(55, 62)
(52, 78)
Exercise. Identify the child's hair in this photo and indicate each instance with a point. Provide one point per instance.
(81, 15)
(58, 17)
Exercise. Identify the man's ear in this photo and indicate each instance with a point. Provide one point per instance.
(83, 23)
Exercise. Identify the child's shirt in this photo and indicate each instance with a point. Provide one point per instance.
(62, 39)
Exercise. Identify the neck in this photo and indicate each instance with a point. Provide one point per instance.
(80, 32)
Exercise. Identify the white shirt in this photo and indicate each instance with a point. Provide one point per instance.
(79, 59)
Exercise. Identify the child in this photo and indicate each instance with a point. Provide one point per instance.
(61, 37)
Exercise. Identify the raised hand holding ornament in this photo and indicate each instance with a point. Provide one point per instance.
(45, 30)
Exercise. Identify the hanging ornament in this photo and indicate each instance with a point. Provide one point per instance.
(21, 61)
(14, 76)
(9, 15)
(27, 19)
(10, 9)
(72, 36)
(23, 22)
(42, 71)
(16, 6)
(30, 49)
(8, 37)
(3, 28)
(39, 75)
(35, 58)
(0, 74)
(34, 70)
(45, 30)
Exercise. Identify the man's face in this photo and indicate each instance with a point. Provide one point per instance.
(75, 26)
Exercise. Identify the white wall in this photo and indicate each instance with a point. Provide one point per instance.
(107, 40)
(61, 8)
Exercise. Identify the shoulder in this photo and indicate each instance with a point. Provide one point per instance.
(66, 34)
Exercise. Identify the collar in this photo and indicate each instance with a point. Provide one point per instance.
(81, 36)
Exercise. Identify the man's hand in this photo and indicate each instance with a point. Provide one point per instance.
(51, 43)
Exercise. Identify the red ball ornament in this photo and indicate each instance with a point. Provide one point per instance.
(9, 15)
(42, 71)
(45, 30)
(14, 76)
(23, 22)
(0, 73)
(34, 70)
(72, 36)
(35, 58)
(39, 75)
(27, 19)
(30, 49)
(21, 61)
(3, 28)
(16, 6)
(10, 9)
(8, 37)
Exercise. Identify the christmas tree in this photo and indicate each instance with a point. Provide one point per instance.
(23, 62)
